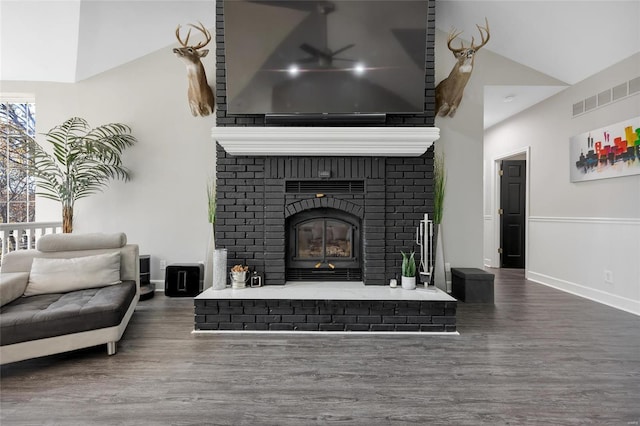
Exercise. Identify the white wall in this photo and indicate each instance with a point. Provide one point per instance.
(461, 141)
(576, 230)
(164, 207)
(20, 24)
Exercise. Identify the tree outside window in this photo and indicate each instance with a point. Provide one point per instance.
(17, 187)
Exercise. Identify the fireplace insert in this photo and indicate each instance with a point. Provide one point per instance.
(323, 244)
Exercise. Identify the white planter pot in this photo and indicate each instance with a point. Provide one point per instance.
(408, 283)
(440, 279)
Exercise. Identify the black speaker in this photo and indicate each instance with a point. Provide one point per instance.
(183, 280)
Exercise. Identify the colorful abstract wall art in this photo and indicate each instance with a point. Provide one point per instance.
(608, 152)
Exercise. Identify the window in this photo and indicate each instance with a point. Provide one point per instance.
(17, 187)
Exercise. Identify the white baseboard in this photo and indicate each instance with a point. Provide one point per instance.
(159, 284)
(618, 302)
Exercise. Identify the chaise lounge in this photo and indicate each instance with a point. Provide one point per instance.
(71, 292)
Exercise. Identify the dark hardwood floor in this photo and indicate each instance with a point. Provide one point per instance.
(538, 356)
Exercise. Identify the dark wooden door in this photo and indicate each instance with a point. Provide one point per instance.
(512, 217)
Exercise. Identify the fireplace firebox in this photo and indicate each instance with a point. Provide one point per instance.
(323, 245)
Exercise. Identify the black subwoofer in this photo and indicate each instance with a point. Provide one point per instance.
(183, 280)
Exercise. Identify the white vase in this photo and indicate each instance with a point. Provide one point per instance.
(408, 283)
(219, 269)
(208, 262)
(439, 275)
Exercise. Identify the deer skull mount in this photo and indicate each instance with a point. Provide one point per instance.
(449, 91)
(201, 97)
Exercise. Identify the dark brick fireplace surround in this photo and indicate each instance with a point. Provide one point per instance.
(254, 200)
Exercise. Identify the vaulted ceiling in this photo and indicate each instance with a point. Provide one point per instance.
(71, 40)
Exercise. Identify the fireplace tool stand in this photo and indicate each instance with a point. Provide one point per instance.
(424, 239)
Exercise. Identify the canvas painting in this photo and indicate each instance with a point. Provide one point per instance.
(608, 152)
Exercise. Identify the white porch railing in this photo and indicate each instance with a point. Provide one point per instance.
(22, 236)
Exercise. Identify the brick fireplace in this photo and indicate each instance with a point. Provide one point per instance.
(385, 197)
(382, 190)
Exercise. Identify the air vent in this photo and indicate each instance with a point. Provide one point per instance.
(606, 97)
(324, 275)
(578, 108)
(590, 103)
(321, 186)
(620, 91)
(634, 85)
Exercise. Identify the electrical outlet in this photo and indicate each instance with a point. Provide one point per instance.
(163, 264)
(608, 276)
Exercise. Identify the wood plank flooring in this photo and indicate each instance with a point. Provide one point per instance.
(538, 356)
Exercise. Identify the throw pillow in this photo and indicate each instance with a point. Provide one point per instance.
(77, 273)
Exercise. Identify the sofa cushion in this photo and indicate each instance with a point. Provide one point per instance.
(12, 286)
(76, 273)
(50, 315)
(72, 242)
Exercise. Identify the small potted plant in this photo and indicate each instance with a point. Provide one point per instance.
(408, 270)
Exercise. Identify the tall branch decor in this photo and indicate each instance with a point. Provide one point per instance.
(215, 270)
(440, 183)
(211, 206)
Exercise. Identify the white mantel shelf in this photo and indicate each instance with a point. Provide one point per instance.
(327, 141)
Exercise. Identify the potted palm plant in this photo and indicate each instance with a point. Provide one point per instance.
(83, 161)
(408, 270)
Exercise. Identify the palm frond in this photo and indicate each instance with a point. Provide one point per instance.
(83, 161)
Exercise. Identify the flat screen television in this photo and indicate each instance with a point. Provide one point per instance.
(325, 57)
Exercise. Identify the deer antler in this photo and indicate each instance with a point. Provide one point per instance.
(200, 28)
(483, 40)
(453, 34)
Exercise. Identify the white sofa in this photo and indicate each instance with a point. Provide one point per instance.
(45, 313)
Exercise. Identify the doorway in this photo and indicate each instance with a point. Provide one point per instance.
(513, 178)
(497, 247)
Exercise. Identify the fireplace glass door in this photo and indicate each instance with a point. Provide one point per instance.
(323, 239)
(323, 243)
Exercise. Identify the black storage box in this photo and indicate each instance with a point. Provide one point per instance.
(472, 285)
(183, 280)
